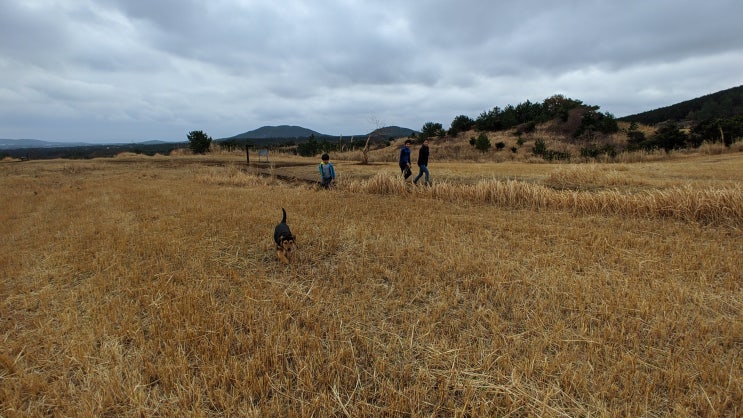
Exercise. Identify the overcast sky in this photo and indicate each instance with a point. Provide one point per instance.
(135, 70)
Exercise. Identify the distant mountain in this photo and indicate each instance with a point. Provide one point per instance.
(391, 132)
(275, 135)
(723, 104)
(36, 143)
(12, 144)
(282, 132)
(155, 142)
(33, 150)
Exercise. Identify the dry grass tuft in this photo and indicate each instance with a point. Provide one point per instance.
(382, 183)
(233, 176)
(591, 176)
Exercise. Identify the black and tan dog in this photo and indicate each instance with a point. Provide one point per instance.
(284, 240)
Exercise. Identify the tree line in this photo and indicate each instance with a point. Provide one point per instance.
(725, 128)
(526, 116)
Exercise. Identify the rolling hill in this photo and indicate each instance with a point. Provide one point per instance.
(278, 132)
(723, 104)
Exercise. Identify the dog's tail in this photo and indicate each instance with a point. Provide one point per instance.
(283, 220)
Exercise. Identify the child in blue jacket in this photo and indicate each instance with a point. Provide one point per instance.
(327, 172)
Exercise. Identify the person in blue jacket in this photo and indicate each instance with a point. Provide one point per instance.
(327, 172)
(405, 159)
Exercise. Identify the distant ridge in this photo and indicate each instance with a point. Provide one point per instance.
(36, 143)
(723, 104)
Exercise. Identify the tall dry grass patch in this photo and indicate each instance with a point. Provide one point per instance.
(722, 206)
(151, 288)
(234, 176)
(592, 176)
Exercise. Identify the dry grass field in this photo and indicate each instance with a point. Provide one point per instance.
(148, 286)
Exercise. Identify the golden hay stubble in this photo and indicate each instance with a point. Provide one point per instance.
(146, 299)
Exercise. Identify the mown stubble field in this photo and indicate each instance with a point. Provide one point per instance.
(148, 286)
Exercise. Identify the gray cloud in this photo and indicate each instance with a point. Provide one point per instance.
(112, 70)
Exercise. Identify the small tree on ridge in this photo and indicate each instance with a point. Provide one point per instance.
(199, 142)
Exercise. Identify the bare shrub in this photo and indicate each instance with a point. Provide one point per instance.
(712, 148)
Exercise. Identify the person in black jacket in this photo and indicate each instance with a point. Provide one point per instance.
(423, 163)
